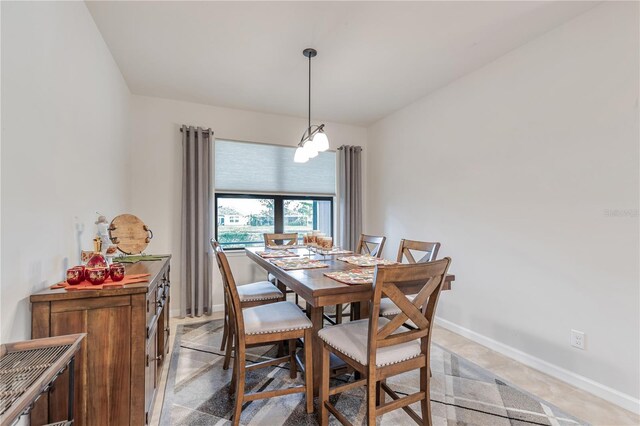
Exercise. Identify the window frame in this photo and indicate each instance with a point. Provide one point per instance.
(278, 208)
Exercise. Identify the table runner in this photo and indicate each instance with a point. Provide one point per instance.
(332, 251)
(298, 263)
(108, 283)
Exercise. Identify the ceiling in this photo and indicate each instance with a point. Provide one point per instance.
(373, 57)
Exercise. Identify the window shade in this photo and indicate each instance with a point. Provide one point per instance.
(252, 167)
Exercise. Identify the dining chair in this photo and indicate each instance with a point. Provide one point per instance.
(368, 245)
(371, 245)
(253, 294)
(406, 251)
(288, 239)
(258, 326)
(379, 347)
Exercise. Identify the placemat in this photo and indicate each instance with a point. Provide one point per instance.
(366, 260)
(353, 276)
(273, 254)
(299, 263)
(109, 283)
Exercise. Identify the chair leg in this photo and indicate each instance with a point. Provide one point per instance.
(239, 365)
(225, 329)
(371, 397)
(293, 372)
(308, 370)
(380, 393)
(425, 404)
(227, 355)
(324, 387)
(338, 314)
(232, 385)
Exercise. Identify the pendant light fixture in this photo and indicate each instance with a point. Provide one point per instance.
(314, 139)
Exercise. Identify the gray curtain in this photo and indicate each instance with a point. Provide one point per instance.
(195, 284)
(350, 190)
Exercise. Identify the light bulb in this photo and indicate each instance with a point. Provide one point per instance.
(320, 141)
(310, 149)
(301, 155)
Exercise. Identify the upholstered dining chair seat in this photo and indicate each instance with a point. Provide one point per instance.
(262, 290)
(351, 339)
(389, 309)
(274, 317)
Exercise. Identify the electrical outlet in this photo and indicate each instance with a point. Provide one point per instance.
(577, 339)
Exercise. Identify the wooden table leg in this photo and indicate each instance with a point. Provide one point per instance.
(315, 314)
(360, 310)
(364, 310)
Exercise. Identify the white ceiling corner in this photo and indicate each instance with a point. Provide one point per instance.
(373, 57)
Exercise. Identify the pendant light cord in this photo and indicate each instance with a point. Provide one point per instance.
(309, 122)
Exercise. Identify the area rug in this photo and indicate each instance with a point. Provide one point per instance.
(462, 393)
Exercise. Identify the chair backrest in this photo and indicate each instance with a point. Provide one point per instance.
(394, 281)
(229, 285)
(280, 239)
(371, 245)
(430, 251)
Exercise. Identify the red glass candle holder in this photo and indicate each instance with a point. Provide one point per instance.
(83, 272)
(74, 276)
(117, 272)
(97, 276)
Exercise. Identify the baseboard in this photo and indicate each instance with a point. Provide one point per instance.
(598, 389)
(175, 313)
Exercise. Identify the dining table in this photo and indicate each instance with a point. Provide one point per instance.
(319, 291)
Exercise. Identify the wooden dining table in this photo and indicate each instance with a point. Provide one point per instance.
(319, 291)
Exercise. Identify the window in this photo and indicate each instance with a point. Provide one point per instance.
(241, 219)
(260, 189)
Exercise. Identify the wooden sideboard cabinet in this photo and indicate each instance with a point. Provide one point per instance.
(118, 368)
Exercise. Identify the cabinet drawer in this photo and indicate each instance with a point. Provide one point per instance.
(151, 374)
(152, 299)
(88, 304)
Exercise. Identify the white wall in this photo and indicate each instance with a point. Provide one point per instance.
(157, 173)
(513, 169)
(65, 130)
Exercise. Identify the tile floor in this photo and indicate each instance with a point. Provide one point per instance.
(574, 401)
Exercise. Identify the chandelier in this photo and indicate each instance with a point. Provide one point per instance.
(314, 139)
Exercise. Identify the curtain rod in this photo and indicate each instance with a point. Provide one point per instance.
(204, 130)
(356, 147)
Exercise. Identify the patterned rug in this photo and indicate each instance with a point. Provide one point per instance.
(461, 392)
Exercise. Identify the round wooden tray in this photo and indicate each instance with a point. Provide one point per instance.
(129, 234)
